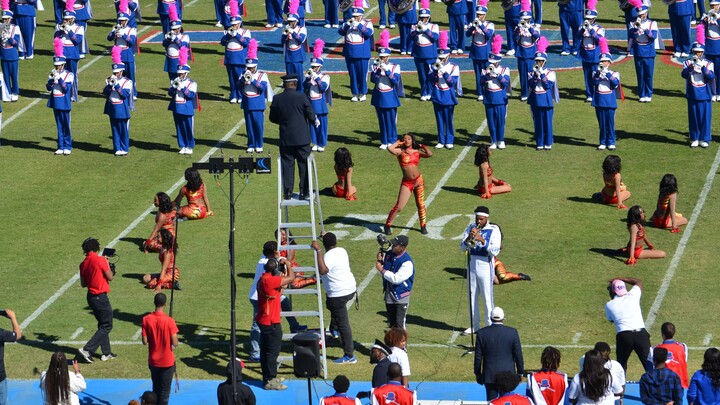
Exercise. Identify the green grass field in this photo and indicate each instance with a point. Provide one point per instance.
(552, 229)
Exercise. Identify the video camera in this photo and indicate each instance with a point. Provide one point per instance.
(110, 253)
(385, 245)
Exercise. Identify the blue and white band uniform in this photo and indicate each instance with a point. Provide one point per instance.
(495, 91)
(482, 270)
(254, 95)
(712, 47)
(386, 99)
(183, 105)
(398, 278)
(590, 53)
(294, 48)
(542, 94)
(356, 50)
(172, 53)
(571, 18)
(235, 55)
(445, 86)
(60, 102)
(25, 12)
(118, 105)
(605, 85)
(512, 18)
(318, 90)
(525, 48)
(126, 39)
(424, 52)
(10, 52)
(480, 38)
(132, 12)
(643, 43)
(680, 13)
(699, 89)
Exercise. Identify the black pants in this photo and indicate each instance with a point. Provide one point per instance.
(100, 305)
(491, 391)
(396, 314)
(339, 319)
(288, 156)
(628, 341)
(162, 382)
(270, 341)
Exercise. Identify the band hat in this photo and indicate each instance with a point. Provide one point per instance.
(497, 314)
(384, 51)
(250, 62)
(644, 9)
(425, 12)
(381, 346)
(175, 24)
(605, 57)
(481, 10)
(69, 14)
(316, 62)
(118, 67)
(183, 69)
(7, 14)
(235, 20)
(494, 58)
(482, 211)
(443, 53)
(123, 16)
(400, 240)
(289, 78)
(713, 2)
(59, 60)
(698, 47)
(356, 11)
(618, 287)
(293, 17)
(526, 15)
(540, 56)
(591, 14)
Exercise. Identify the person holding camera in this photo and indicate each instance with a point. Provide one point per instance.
(95, 275)
(10, 337)
(398, 273)
(340, 287)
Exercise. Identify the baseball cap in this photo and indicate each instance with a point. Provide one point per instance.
(497, 314)
(618, 287)
(400, 240)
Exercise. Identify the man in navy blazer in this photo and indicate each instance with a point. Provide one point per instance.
(497, 349)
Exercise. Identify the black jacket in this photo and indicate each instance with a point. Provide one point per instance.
(497, 349)
(292, 111)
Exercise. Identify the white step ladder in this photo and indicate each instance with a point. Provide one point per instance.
(305, 231)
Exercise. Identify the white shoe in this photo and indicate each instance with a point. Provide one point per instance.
(564, 53)
(218, 24)
(30, 57)
(403, 53)
(684, 55)
(539, 148)
(694, 144)
(250, 150)
(21, 57)
(314, 148)
(548, 147)
(233, 101)
(14, 98)
(467, 331)
(66, 152)
(713, 99)
(183, 151)
(449, 146)
(425, 98)
(59, 152)
(82, 56)
(321, 149)
(480, 98)
(642, 99)
(327, 26)
(588, 100)
(134, 98)
(676, 54)
(279, 25)
(362, 98)
(257, 150)
(704, 144)
(611, 147)
(439, 146)
(648, 99)
(354, 99)
(335, 26)
(693, 22)
(575, 53)
(460, 51)
(392, 25)
(601, 147)
(382, 26)
(454, 52)
(493, 145)
(383, 147)
(269, 25)
(501, 145)
(523, 98)
(188, 151)
(118, 153)
(510, 52)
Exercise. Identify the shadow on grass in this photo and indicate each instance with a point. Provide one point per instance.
(135, 241)
(25, 145)
(134, 276)
(458, 272)
(46, 343)
(429, 323)
(86, 146)
(647, 137)
(349, 220)
(588, 200)
(611, 253)
(462, 190)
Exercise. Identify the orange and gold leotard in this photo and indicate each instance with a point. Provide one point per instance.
(480, 186)
(609, 194)
(663, 220)
(638, 241)
(168, 279)
(153, 244)
(196, 208)
(409, 158)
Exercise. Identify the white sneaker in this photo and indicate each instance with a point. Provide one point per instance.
(14, 98)
(467, 331)
(59, 152)
(362, 98)
(480, 98)
(383, 147)
(354, 99)
(66, 152)
(694, 144)
(314, 148)
(335, 26)
(575, 53)
(460, 51)
(30, 57)
(82, 56)
(250, 150)
(257, 150)
(182, 151)
(321, 149)
(648, 99)
(564, 53)
(218, 24)
(523, 98)
(611, 147)
(392, 25)
(588, 100)
(403, 53)
(548, 147)
(449, 146)
(118, 153)
(454, 52)
(188, 151)
(713, 99)
(439, 146)
(704, 144)
(493, 145)
(684, 55)
(540, 148)
(269, 25)
(501, 145)
(21, 57)
(693, 22)
(233, 101)
(601, 147)
(327, 26)
(382, 26)
(642, 99)
(676, 54)
(510, 52)
(279, 25)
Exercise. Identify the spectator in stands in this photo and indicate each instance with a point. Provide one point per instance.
(159, 333)
(497, 349)
(547, 386)
(341, 384)
(705, 383)
(616, 370)
(7, 336)
(660, 386)
(58, 386)
(394, 392)
(396, 340)
(506, 382)
(594, 384)
(148, 398)
(677, 354)
(624, 311)
(244, 395)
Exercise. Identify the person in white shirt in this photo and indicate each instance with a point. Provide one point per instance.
(340, 288)
(624, 311)
(616, 370)
(594, 384)
(58, 386)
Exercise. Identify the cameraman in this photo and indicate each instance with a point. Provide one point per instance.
(398, 272)
(96, 274)
(340, 287)
(10, 337)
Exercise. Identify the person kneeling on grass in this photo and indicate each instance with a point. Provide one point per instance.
(488, 184)
(167, 278)
(665, 216)
(635, 222)
(614, 191)
(198, 204)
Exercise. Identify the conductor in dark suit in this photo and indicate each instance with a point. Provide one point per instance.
(497, 349)
(292, 111)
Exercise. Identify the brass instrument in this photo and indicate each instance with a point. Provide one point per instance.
(111, 80)
(524, 23)
(400, 6)
(420, 26)
(712, 17)
(491, 69)
(232, 31)
(345, 5)
(54, 75)
(637, 24)
(377, 61)
(64, 26)
(6, 31)
(437, 65)
(309, 72)
(586, 25)
(477, 23)
(176, 82)
(507, 4)
(537, 69)
(117, 28)
(470, 241)
(287, 30)
(170, 36)
(247, 76)
(695, 62)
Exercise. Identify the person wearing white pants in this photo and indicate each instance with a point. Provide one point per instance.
(482, 241)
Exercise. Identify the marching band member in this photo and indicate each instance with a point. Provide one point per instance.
(512, 19)
(273, 9)
(712, 43)
(317, 88)
(680, 13)
(386, 14)
(495, 81)
(255, 89)
(236, 41)
(163, 10)
(537, 12)
(445, 86)
(405, 23)
(606, 83)
(358, 35)
(525, 37)
(130, 7)
(331, 13)
(481, 33)
(12, 44)
(230, 9)
(72, 37)
(699, 74)
(543, 91)
(571, 18)
(294, 42)
(303, 7)
(387, 92)
(183, 91)
(59, 8)
(60, 85)
(591, 32)
(456, 10)
(424, 51)
(644, 33)
(83, 14)
(119, 92)
(219, 12)
(24, 16)
(125, 37)
(174, 42)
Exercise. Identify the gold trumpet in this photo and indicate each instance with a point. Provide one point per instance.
(491, 69)
(287, 30)
(637, 24)
(470, 241)
(420, 26)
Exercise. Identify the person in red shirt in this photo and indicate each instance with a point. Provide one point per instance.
(278, 275)
(548, 386)
(159, 332)
(95, 274)
(341, 384)
(393, 392)
(677, 354)
(506, 382)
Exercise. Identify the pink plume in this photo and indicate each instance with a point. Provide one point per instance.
(234, 9)
(425, 4)
(318, 48)
(252, 49)
(443, 41)
(542, 44)
(115, 54)
(6, 4)
(525, 5)
(592, 5)
(483, 3)
(58, 45)
(358, 4)
(172, 12)
(700, 33)
(183, 56)
(604, 48)
(293, 6)
(385, 38)
(496, 45)
(70, 5)
(636, 3)
(123, 7)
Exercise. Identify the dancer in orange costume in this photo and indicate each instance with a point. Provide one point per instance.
(503, 276)
(488, 184)
(164, 219)
(167, 278)
(665, 216)
(285, 238)
(343, 187)
(635, 221)
(198, 204)
(615, 191)
(409, 152)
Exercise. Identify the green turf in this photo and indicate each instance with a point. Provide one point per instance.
(552, 230)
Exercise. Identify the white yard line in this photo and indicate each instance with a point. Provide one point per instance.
(687, 233)
(136, 336)
(708, 338)
(576, 338)
(77, 333)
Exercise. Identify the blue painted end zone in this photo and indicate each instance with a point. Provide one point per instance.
(120, 392)
(271, 59)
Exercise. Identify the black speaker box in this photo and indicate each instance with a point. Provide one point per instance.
(306, 355)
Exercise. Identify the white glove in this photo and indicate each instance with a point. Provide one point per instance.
(317, 122)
